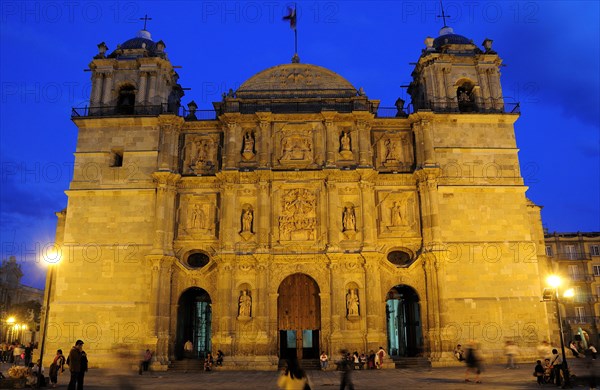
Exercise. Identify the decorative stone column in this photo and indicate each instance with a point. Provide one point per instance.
(229, 212)
(140, 97)
(375, 303)
(368, 208)
(107, 89)
(331, 143)
(333, 232)
(170, 127)
(365, 153)
(264, 212)
(160, 305)
(151, 99)
(337, 300)
(164, 212)
(263, 138)
(427, 181)
(232, 131)
(97, 80)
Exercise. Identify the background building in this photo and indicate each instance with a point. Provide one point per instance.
(298, 215)
(19, 305)
(576, 257)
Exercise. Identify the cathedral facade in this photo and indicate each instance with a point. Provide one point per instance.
(297, 216)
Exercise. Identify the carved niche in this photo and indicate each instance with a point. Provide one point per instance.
(298, 215)
(398, 214)
(295, 146)
(395, 152)
(196, 217)
(200, 154)
(345, 149)
(248, 146)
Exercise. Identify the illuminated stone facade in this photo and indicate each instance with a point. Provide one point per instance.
(298, 217)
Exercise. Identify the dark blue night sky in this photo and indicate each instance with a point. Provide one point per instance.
(550, 51)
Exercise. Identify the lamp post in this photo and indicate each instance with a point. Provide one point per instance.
(51, 260)
(555, 281)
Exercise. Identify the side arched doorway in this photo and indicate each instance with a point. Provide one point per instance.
(403, 313)
(194, 320)
(299, 317)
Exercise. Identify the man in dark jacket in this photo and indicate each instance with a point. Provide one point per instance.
(74, 361)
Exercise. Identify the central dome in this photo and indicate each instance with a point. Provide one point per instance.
(296, 80)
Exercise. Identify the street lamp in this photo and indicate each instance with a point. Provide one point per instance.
(555, 281)
(10, 321)
(52, 258)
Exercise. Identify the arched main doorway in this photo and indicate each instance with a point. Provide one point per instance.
(403, 312)
(299, 317)
(194, 316)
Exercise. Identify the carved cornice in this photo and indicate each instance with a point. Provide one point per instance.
(166, 179)
(170, 122)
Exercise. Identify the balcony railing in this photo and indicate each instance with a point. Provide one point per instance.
(481, 106)
(582, 319)
(137, 110)
(573, 256)
(315, 106)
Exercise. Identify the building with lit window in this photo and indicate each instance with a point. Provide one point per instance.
(576, 257)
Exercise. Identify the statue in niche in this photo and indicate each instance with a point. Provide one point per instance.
(197, 218)
(345, 141)
(247, 218)
(346, 146)
(248, 146)
(348, 219)
(398, 214)
(245, 304)
(352, 303)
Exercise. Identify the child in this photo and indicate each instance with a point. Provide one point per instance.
(539, 372)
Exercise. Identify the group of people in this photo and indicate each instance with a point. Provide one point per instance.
(209, 361)
(356, 361)
(16, 353)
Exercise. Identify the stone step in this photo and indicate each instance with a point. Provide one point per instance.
(411, 362)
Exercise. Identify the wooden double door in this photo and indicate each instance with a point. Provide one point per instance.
(299, 317)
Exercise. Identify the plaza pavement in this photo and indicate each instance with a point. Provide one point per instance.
(494, 377)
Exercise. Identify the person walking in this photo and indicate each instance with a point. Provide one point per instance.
(347, 366)
(57, 366)
(473, 364)
(379, 357)
(75, 366)
(511, 350)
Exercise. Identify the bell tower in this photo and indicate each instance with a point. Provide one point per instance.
(454, 75)
(135, 79)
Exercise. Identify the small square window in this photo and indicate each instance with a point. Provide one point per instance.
(116, 158)
(549, 252)
(595, 250)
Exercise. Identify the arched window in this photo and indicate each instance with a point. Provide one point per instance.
(126, 100)
(466, 97)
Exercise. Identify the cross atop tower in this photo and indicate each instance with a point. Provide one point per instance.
(145, 19)
(443, 16)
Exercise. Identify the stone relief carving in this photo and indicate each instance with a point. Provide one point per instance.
(297, 220)
(352, 303)
(200, 155)
(399, 214)
(248, 151)
(296, 147)
(396, 151)
(196, 217)
(245, 305)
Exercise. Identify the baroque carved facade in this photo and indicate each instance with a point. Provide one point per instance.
(298, 219)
